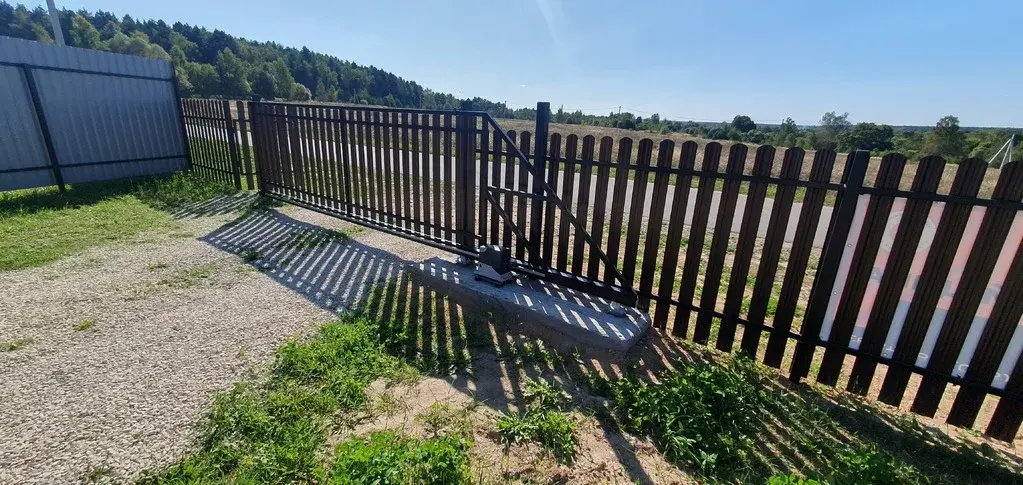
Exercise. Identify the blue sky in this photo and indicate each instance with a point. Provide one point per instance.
(895, 61)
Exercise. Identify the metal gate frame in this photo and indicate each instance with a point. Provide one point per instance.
(266, 128)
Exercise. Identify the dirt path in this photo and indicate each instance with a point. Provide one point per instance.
(175, 318)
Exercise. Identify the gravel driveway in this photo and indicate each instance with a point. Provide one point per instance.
(175, 318)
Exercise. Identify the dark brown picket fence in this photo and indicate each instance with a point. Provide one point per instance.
(902, 286)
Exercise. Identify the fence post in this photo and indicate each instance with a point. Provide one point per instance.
(232, 141)
(181, 118)
(465, 189)
(827, 271)
(37, 103)
(543, 119)
(246, 155)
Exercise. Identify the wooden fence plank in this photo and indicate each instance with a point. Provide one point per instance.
(719, 245)
(302, 138)
(673, 240)
(336, 148)
(748, 229)
(896, 271)
(297, 155)
(484, 181)
(449, 178)
(363, 147)
(600, 205)
(385, 164)
(397, 171)
(931, 284)
(665, 153)
(639, 186)
(697, 235)
(407, 174)
(346, 158)
(426, 162)
(791, 167)
(583, 203)
(496, 224)
(567, 195)
(418, 175)
(1008, 415)
(551, 211)
(438, 196)
(283, 149)
(614, 231)
(1006, 314)
(990, 237)
(864, 255)
(509, 201)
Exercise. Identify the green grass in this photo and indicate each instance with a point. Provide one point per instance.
(40, 226)
(275, 432)
(83, 325)
(544, 422)
(12, 345)
(729, 423)
(387, 457)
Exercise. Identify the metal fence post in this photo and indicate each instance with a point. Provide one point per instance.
(232, 141)
(827, 271)
(465, 188)
(543, 119)
(181, 117)
(37, 103)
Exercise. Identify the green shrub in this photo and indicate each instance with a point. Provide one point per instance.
(702, 415)
(386, 457)
(554, 431)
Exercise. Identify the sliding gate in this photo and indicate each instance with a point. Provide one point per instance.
(449, 179)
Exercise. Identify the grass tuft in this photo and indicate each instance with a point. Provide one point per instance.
(386, 457)
(12, 345)
(543, 422)
(83, 325)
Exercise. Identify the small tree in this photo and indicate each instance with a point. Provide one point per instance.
(947, 139)
(787, 134)
(231, 71)
(867, 136)
(84, 35)
(831, 125)
(743, 123)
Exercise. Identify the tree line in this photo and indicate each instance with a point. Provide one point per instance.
(217, 64)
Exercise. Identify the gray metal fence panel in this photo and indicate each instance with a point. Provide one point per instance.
(108, 115)
(21, 144)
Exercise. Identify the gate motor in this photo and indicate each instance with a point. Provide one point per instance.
(494, 265)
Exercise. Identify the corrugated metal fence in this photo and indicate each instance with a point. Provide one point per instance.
(74, 115)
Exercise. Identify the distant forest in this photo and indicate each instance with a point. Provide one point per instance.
(217, 64)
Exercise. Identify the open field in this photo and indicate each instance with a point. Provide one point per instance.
(987, 188)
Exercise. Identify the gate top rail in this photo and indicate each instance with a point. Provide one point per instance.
(380, 109)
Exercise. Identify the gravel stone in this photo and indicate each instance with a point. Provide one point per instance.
(179, 317)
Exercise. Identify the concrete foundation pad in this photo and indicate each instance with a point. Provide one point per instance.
(539, 307)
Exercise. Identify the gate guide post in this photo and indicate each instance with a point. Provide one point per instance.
(543, 119)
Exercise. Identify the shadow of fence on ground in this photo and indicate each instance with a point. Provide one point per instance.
(326, 267)
(489, 359)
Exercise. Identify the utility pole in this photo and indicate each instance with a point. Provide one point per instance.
(619, 110)
(58, 34)
(1005, 152)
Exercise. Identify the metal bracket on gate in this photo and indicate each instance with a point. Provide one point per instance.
(623, 294)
